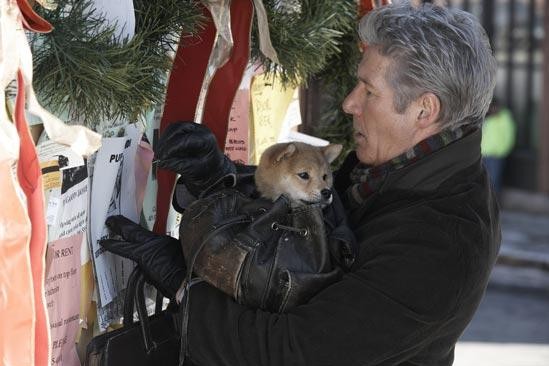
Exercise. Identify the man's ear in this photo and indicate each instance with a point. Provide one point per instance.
(429, 110)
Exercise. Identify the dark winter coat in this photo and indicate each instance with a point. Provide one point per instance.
(428, 239)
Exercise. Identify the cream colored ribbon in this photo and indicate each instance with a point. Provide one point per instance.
(223, 44)
(265, 44)
(15, 54)
(221, 51)
(48, 4)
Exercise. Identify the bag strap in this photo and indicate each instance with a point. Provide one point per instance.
(144, 322)
(243, 181)
(130, 296)
(226, 181)
(135, 296)
(159, 302)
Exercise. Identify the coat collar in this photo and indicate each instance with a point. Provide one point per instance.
(423, 176)
(428, 173)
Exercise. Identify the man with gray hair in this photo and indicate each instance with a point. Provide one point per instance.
(417, 198)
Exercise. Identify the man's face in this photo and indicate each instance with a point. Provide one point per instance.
(380, 132)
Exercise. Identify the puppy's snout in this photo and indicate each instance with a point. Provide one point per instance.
(326, 194)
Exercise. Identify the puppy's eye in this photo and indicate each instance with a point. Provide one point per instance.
(303, 175)
(325, 176)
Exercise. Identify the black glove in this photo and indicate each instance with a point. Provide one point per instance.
(159, 256)
(190, 149)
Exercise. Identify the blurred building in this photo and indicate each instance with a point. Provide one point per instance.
(517, 30)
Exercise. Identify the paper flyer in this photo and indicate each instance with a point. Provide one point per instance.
(65, 182)
(292, 118)
(63, 303)
(270, 101)
(143, 163)
(288, 130)
(73, 203)
(152, 121)
(113, 193)
(237, 143)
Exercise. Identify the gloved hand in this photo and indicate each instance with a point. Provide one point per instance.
(190, 149)
(159, 256)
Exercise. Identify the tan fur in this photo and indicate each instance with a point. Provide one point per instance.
(281, 165)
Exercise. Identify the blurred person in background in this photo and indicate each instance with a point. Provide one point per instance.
(498, 139)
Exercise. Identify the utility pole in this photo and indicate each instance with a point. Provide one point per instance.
(543, 160)
(488, 11)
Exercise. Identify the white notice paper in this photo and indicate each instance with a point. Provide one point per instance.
(113, 193)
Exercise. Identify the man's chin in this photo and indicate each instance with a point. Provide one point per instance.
(363, 157)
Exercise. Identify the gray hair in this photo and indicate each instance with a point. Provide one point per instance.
(435, 49)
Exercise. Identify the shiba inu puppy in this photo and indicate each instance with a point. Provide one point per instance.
(299, 171)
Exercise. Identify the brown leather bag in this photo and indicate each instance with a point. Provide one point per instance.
(261, 253)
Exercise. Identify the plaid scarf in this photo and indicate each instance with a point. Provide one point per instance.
(367, 179)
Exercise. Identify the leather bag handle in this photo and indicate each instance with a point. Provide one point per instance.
(159, 302)
(144, 322)
(130, 296)
(135, 296)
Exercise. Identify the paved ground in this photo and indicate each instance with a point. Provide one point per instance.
(511, 327)
(494, 354)
(525, 239)
(511, 315)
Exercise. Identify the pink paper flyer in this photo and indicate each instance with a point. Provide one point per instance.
(63, 297)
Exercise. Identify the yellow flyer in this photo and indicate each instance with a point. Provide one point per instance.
(270, 102)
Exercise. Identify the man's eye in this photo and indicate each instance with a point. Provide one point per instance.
(303, 175)
(368, 93)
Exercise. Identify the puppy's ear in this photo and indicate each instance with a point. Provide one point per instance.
(285, 152)
(332, 151)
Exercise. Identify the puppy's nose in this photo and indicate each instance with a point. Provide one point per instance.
(326, 194)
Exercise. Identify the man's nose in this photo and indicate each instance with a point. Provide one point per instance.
(349, 104)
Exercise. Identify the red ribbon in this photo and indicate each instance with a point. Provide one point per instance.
(31, 20)
(365, 6)
(186, 81)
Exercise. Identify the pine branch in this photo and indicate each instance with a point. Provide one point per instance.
(305, 34)
(81, 69)
(162, 22)
(339, 78)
